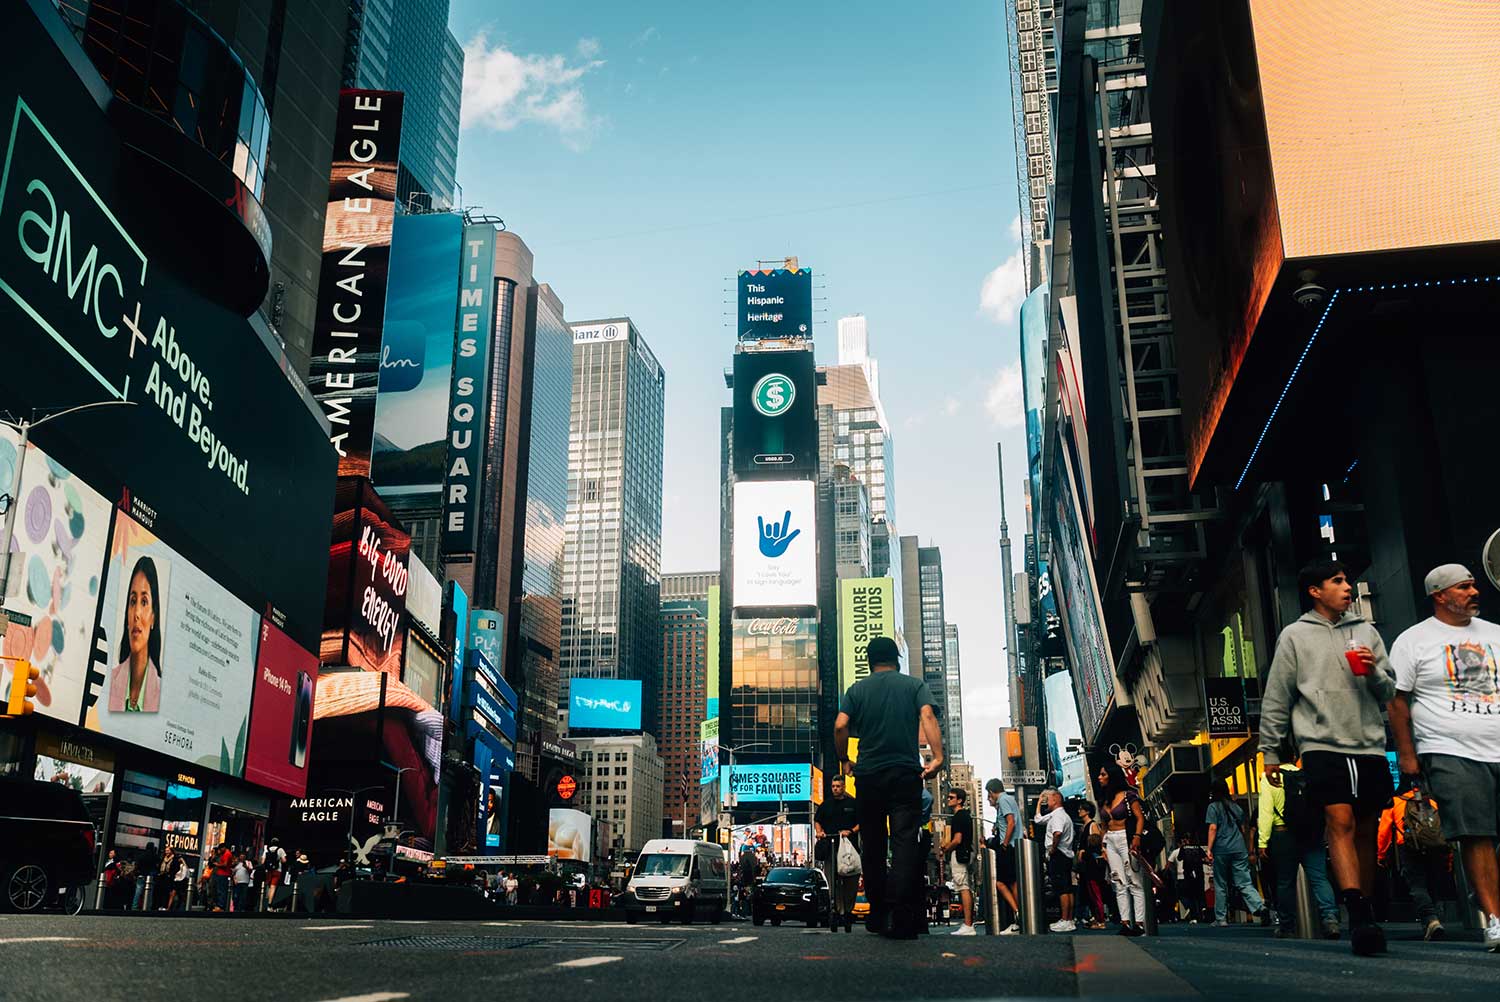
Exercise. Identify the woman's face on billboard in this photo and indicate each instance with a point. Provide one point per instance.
(140, 615)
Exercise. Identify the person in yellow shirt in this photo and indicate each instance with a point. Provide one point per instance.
(1287, 845)
(1421, 865)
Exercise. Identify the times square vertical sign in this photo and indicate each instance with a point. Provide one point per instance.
(347, 331)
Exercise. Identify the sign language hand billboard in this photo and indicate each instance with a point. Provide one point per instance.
(775, 544)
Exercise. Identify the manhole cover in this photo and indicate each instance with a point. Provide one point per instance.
(469, 943)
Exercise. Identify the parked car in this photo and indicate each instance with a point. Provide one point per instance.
(46, 846)
(792, 892)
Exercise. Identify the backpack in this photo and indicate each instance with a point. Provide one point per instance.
(1297, 810)
(1424, 832)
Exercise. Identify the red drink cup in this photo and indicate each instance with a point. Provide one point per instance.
(1356, 662)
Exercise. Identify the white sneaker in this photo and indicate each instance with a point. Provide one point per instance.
(1063, 925)
(1492, 935)
(964, 930)
(1014, 929)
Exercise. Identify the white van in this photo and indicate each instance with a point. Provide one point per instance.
(678, 878)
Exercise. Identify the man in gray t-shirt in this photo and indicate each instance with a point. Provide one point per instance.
(886, 710)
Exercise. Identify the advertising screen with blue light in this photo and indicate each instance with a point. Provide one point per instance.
(770, 782)
(604, 704)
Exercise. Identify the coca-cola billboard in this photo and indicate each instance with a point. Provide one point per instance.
(786, 626)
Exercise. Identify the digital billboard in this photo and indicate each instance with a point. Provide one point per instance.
(416, 353)
(775, 303)
(349, 324)
(759, 781)
(180, 655)
(281, 713)
(364, 622)
(782, 845)
(867, 609)
(708, 743)
(1089, 657)
(468, 395)
(487, 635)
(103, 297)
(57, 552)
(570, 834)
(775, 544)
(775, 412)
(604, 704)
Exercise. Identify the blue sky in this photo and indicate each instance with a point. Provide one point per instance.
(646, 152)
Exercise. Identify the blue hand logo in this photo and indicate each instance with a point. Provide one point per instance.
(775, 539)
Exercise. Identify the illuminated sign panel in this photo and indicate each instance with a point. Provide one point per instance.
(604, 704)
(867, 609)
(775, 544)
(759, 782)
(467, 400)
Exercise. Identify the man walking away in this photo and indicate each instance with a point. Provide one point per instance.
(1230, 856)
(1289, 841)
(1058, 839)
(1411, 837)
(1323, 695)
(957, 847)
(886, 710)
(1006, 843)
(146, 865)
(836, 821)
(1446, 722)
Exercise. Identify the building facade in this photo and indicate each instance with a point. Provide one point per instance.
(922, 581)
(611, 596)
(684, 677)
(773, 703)
(622, 784)
(405, 45)
(690, 585)
(952, 682)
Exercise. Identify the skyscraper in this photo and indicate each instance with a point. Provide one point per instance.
(687, 584)
(952, 682)
(684, 677)
(922, 580)
(405, 45)
(611, 594)
(854, 340)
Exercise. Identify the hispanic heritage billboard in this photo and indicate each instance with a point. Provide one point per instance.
(347, 330)
(469, 394)
(867, 609)
(775, 303)
(416, 354)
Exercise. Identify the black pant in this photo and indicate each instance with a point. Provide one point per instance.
(1425, 874)
(891, 796)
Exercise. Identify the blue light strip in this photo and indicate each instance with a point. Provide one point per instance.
(1327, 311)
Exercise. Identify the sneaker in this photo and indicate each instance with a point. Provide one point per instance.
(1264, 916)
(1221, 924)
(1434, 930)
(1136, 929)
(1492, 935)
(964, 930)
(1063, 925)
(1368, 940)
(1331, 928)
(1014, 929)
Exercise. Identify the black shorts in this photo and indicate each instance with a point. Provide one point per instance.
(1060, 869)
(1005, 864)
(1361, 781)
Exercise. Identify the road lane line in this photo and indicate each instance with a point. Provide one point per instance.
(41, 939)
(739, 939)
(372, 997)
(588, 962)
(326, 928)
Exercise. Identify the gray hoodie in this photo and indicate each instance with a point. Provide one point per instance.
(1312, 697)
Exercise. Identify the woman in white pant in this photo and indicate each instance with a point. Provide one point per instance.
(1123, 820)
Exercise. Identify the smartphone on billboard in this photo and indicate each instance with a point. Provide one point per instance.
(301, 720)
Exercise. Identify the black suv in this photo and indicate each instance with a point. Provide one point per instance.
(46, 846)
(796, 892)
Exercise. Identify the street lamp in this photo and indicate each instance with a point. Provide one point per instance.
(731, 749)
(396, 806)
(12, 496)
(354, 796)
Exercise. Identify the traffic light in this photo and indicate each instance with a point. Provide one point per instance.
(22, 689)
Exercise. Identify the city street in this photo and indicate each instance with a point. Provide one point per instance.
(107, 958)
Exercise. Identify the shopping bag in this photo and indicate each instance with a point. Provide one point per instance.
(848, 859)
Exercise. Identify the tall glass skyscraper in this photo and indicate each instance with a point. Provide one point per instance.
(611, 595)
(955, 692)
(922, 578)
(427, 65)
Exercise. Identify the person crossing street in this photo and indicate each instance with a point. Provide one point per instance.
(837, 822)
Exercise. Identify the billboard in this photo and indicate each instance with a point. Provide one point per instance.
(281, 713)
(775, 413)
(349, 324)
(458, 605)
(179, 655)
(711, 706)
(57, 551)
(708, 742)
(781, 845)
(570, 834)
(759, 781)
(1076, 591)
(469, 392)
(364, 622)
(775, 303)
(102, 297)
(487, 636)
(416, 353)
(775, 544)
(604, 704)
(867, 610)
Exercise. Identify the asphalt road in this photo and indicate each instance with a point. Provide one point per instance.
(103, 958)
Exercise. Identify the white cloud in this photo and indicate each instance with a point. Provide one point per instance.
(1004, 290)
(1003, 400)
(645, 36)
(504, 89)
(951, 406)
(1015, 227)
(986, 701)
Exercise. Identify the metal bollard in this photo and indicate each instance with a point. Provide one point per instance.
(99, 895)
(1149, 896)
(146, 894)
(265, 889)
(992, 897)
(187, 905)
(1307, 918)
(1029, 889)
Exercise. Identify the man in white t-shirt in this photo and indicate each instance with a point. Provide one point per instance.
(1445, 718)
(1057, 844)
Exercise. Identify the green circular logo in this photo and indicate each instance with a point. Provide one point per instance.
(773, 394)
